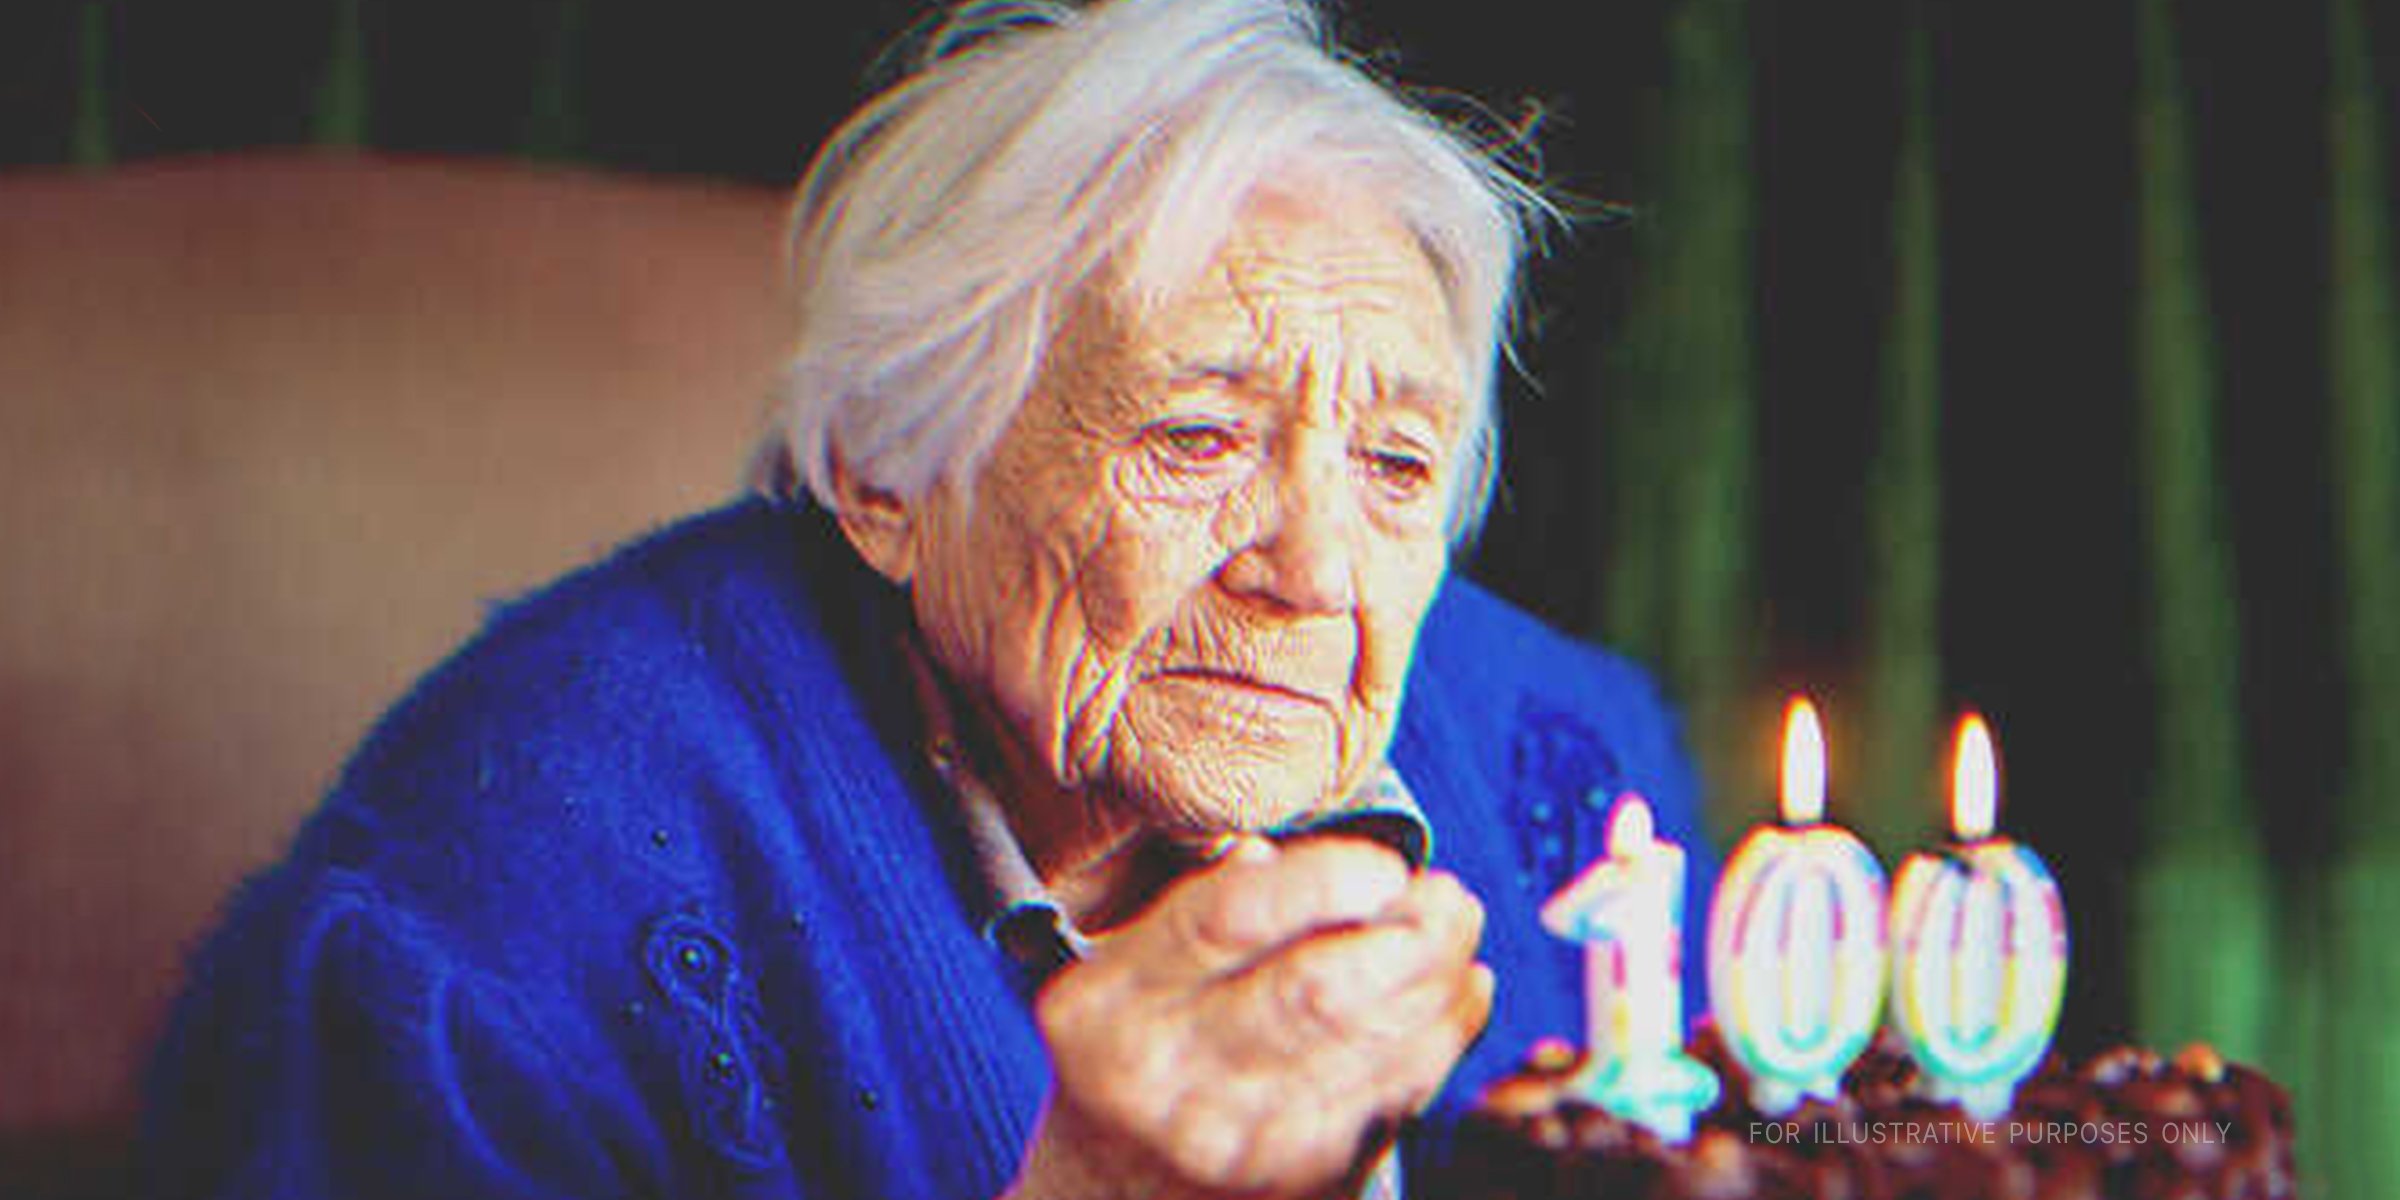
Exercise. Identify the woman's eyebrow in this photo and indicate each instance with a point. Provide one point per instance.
(1437, 401)
(1228, 369)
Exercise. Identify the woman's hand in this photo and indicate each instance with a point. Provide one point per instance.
(1257, 1030)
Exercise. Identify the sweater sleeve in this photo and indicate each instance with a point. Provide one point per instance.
(559, 930)
(340, 1052)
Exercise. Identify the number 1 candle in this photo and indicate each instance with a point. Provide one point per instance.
(1796, 939)
(1627, 910)
(1980, 948)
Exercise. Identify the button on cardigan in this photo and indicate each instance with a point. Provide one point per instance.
(647, 892)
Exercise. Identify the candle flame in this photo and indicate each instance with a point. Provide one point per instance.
(1803, 764)
(1630, 827)
(1974, 781)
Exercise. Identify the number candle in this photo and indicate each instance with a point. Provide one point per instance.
(1796, 939)
(1980, 948)
(1627, 910)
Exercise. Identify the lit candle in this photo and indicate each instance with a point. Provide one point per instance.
(1980, 948)
(1627, 910)
(1796, 939)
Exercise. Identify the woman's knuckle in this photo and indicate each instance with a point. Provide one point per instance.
(1315, 995)
(1062, 1010)
(1225, 919)
(1452, 898)
(1208, 1139)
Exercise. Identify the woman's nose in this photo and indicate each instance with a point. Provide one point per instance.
(1305, 554)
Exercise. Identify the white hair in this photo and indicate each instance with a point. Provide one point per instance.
(938, 235)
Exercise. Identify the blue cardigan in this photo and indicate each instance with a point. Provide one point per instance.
(646, 892)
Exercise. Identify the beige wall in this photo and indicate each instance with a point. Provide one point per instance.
(272, 432)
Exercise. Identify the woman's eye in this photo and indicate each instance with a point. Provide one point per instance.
(1197, 444)
(1403, 472)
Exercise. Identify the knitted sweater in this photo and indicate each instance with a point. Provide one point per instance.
(647, 892)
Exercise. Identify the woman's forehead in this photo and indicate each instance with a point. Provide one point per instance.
(1299, 280)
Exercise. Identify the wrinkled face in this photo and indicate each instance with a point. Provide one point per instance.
(1189, 579)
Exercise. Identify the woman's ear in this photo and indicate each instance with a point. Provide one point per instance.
(880, 525)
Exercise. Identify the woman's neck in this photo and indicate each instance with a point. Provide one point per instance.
(1096, 861)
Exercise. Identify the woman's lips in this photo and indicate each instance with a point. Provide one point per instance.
(1250, 683)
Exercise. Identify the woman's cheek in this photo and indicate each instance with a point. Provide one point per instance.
(1401, 591)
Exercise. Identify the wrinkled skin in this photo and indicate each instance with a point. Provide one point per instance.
(1180, 601)
(1256, 1031)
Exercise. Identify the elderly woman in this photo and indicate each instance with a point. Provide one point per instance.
(1074, 775)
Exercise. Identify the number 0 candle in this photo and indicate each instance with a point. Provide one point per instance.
(1627, 910)
(1796, 939)
(1980, 948)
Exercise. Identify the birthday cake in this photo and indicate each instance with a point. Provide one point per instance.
(2125, 1125)
(1797, 1087)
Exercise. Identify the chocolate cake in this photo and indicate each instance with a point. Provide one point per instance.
(2125, 1125)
